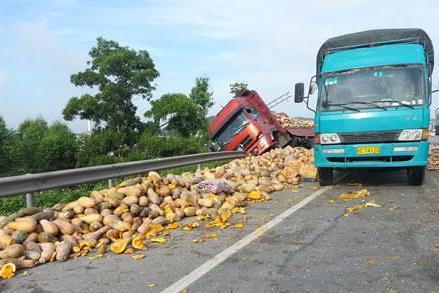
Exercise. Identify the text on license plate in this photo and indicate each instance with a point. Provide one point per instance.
(370, 150)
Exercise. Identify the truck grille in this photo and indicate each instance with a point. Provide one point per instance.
(245, 143)
(372, 136)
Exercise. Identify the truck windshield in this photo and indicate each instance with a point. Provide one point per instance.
(373, 88)
(231, 128)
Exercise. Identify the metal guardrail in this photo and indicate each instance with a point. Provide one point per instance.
(26, 184)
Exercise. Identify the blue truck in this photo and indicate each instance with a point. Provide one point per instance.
(373, 107)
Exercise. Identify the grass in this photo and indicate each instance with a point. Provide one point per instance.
(51, 197)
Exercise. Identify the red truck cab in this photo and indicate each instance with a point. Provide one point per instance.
(246, 123)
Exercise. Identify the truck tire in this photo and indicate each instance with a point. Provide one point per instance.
(325, 176)
(415, 175)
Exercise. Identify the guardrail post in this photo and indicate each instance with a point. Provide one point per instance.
(110, 183)
(198, 167)
(30, 200)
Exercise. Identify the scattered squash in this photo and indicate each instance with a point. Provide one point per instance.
(119, 246)
(7, 271)
(145, 209)
(137, 243)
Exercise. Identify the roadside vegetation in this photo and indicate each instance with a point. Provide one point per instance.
(175, 124)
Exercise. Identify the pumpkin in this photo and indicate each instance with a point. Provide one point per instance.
(5, 241)
(32, 237)
(153, 196)
(86, 202)
(120, 225)
(135, 209)
(46, 237)
(33, 253)
(12, 251)
(115, 196)
(47, 250)
(189, 211)
(133, 190)
(96, 234)
(206, 202)
(49, 227)
(130, 200)
(27, 225)
(109, 219)
(95, 226)
(7, 271)
(137, 243)
(118, 246)
(63, 250)
(143, 201)
(92, 218)
(65, 227)
(19, 236)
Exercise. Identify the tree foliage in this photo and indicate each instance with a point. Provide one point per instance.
(201, 95)
(101, 147)
(118, 74)
(177, 112)
(152, 146)
(5, 147)
(57, 148)
(36, 147)
(180, 114)
(238, 88)
(27, 141)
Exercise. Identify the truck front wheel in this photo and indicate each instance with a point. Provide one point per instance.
(325, 176)
(415, 175)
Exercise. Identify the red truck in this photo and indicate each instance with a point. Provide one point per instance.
(246, 123)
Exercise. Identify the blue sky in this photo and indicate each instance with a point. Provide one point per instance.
(269, 44)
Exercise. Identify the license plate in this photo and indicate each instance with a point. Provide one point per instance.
(370, 150)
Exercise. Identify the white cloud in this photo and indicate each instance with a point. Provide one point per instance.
(275, 42)
(269, 44)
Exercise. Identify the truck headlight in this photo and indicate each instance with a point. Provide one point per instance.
(329, 138)
(411, 135)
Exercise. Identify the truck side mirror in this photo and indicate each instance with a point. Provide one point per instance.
(299, 92)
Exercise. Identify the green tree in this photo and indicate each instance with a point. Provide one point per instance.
(101, 147)
(152, 146)
(58, 148)
(178, 113)
(5, 141)
(26, 143)
(238, 88)
(118, 74)
(201, 95)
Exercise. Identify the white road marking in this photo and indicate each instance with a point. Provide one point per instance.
(223, 255)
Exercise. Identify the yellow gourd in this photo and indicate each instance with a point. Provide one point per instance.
(7, 271)
(5, 241)
(119, 245)
(138, 242)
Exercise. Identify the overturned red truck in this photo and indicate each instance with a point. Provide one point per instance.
(247, 123)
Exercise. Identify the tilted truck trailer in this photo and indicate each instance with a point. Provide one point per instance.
(246, 123)
(373, 105)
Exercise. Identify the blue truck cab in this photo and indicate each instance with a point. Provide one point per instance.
(373, 107)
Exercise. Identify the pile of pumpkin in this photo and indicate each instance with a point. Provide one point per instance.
(143, 210)
(289, 122)
(433, 159)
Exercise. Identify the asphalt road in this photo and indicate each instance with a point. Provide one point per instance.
(393, 248)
